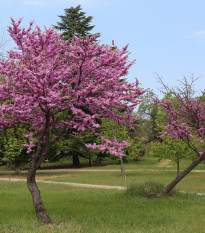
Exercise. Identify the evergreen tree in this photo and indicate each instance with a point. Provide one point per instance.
(74, 22)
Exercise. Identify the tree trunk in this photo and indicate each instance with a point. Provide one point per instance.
(76, 161)
(123, 174)
(179, 177)
(36, 197)
(90, 161)
(178, 168)
(98, 161)
(17, 169)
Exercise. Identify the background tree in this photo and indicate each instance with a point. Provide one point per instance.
(74, 146)
(174, 151)
(110, 129)
(147, 112)
(12, 146)
(74, 22)
(44, 79)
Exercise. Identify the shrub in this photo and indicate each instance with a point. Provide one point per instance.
(149, 189)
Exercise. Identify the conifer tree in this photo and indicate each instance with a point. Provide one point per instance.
(74, 22)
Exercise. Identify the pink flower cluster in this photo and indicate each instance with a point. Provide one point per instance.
(114, 147)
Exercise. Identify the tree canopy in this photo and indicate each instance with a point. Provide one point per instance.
(75, 23)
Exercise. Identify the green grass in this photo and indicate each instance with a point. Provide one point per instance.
(101, 211)
(149, 189)
(98, 211)
(194, 182)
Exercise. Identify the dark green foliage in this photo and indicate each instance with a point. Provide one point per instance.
(12, 149)
(71, 145)
(74, 22)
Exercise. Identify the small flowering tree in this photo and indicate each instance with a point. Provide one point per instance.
(186, 122)
(46, 78)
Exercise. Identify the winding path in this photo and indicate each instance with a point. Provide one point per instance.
(67, 183)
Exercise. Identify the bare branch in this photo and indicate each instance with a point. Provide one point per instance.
(3, 44)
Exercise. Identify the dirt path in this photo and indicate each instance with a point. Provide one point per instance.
(97, 170)
(67, 170)
(67, 183)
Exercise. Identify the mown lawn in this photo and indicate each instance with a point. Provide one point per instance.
(98, 211)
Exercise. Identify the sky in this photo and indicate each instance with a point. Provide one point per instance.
(166, 37)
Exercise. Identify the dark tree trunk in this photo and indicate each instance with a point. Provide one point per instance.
(38, 158)
(123, 174)
(76, 161)
(179, 177)
(90, 161)
(17, 169)
(99, 159)
(36, 197)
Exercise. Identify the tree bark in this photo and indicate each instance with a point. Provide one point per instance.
(36, 197)
(17, 169)
(123, 174)
(76, 161)
(90, 160)
(179, 177)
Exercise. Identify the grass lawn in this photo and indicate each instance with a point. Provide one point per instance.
(194, 182)
(138, 172)
(98, 211)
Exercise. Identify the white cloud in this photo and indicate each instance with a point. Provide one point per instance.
(199, 33)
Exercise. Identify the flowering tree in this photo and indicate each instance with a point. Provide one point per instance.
(186, 122)
(46, 78)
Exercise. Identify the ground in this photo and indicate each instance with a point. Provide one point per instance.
(83, 209)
